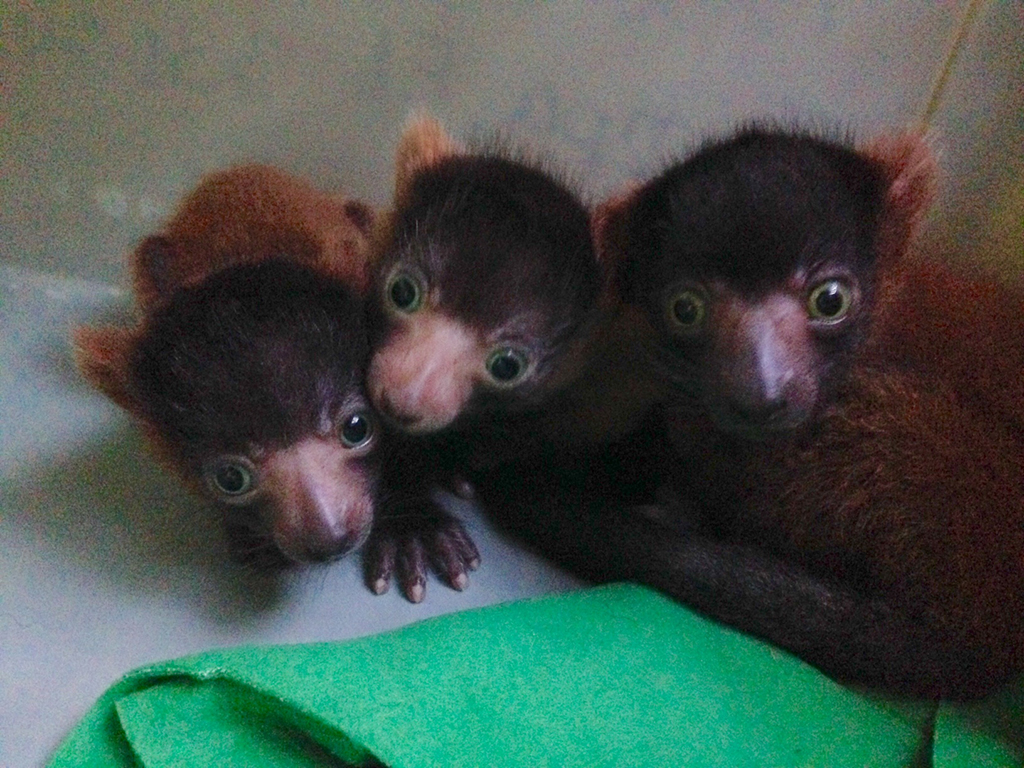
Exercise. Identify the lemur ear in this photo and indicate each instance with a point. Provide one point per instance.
(424, 143)
(910, 168)
(611, 228)
(103, 355)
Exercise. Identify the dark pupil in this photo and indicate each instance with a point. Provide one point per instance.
(829, 301)
(505, 367)
(686, 310)
(231, 479)
(355, 429)
(403, 293)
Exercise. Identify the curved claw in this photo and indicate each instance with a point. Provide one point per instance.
(412, 569)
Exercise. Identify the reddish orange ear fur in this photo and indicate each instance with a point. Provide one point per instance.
(103, 356)
(609, 226)
(981, 345)
(911, 171)
(424, 143)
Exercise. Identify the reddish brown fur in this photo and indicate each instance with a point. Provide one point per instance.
(245, 214)
(241, 215)
(971, 323)
(911, 484)
(270, 213)
(901, 490)
(316, 495)
(882, 537)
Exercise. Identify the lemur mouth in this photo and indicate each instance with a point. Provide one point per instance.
(760, 424)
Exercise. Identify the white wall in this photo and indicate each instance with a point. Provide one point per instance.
(111, 111)
(980, 125)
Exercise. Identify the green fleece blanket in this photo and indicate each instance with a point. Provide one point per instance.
(613, 676)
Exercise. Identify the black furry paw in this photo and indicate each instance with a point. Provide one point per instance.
(405, 544)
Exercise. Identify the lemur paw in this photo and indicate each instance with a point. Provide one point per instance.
(406, 544)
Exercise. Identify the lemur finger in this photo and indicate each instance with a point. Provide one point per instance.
(448, 561)
(379, 564)
(412, 569)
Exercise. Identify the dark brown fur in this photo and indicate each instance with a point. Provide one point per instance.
(870, 517)
(249, 358)
(502, 254)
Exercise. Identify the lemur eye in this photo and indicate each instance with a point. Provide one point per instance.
(232, 478)
(507, 366)
(829, 302)
(356, 430)
(405, 292)
(687, 310)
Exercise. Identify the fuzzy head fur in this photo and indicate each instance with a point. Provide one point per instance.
(484, 285)
(246, 370)
(755, 262)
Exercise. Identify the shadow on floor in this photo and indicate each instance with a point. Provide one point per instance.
(113, 509)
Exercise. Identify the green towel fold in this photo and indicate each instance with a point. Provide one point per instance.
(613, 676)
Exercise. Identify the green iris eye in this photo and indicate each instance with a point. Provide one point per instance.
(356, 430)
(687, 310)
(830, 301)
(231, 478)
(404, 293)
(506, 365)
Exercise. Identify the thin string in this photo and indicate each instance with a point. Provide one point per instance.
(956, 45)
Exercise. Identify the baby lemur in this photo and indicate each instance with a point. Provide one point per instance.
(246, 369)
(845, 419)
(485, 298)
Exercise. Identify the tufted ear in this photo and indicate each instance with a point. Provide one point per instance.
(103, 355)
(611, 228)
(910, 168)
(424, 143)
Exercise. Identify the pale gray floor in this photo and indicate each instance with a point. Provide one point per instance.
(107, 564)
